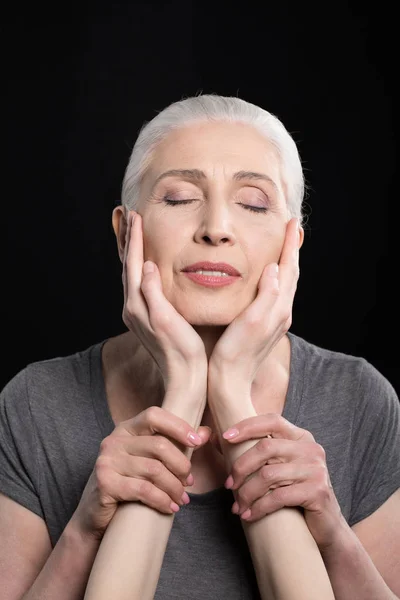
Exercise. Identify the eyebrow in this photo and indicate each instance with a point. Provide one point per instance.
(197, 175)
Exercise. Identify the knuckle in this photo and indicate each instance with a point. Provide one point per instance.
(320, 451)
(107, 444)
(275, 291)
(186, 467)
(160, 445)
(127, 490)
(267, 473)
(323, 492)
(129, 307)
(153, 468)
(276, 420)
(102, 472)
(264, 445)
(161, 322)
(153, 414)
(145, 489)
(238, 470)
(253, 319)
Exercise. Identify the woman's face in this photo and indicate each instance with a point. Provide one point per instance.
(234, 216)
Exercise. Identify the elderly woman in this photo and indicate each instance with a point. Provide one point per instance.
(208, 233)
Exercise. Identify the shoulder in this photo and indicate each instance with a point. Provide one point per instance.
(337, 371)
(47, 380)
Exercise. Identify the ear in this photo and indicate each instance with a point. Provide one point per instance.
(120, 225)
(301, 232)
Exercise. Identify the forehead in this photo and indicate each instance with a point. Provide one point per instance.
(215, 148)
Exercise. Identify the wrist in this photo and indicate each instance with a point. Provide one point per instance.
(343, 540)
(227, 385)
(189, 375)
(75, 536)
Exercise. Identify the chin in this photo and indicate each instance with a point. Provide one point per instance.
(211, 316)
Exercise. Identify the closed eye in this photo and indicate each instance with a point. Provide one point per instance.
(169, 202)
(256, 209)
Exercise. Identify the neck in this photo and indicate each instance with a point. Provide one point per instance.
(210, 336)
(132, 369)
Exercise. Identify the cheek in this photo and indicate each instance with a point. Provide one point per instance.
(157, 238)
(264, 249)
(163, 244)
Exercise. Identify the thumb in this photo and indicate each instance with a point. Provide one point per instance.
(205, 433)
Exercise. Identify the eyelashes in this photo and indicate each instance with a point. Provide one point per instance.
(251, 208)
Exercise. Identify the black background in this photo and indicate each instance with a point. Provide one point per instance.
(77, 86)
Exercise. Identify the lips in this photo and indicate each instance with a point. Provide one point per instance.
(210, 266)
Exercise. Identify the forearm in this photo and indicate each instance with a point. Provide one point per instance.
(66, 572)
(286, 559)
(352, 573)
(129, 561)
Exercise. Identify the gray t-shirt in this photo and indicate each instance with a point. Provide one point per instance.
(54, 414)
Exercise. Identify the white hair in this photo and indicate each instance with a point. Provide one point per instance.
(211, 107)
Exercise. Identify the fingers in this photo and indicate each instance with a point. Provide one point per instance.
(131, 489)
(289, 260)
(205, 433)
(268, 478)
(162, 315)
(157, 420)
(262, 425)
(292, 495)
(268, 290)
(266, 451)
(277, 285)
(134, 252)
(155, 473)
(160, 448)
(134, 304)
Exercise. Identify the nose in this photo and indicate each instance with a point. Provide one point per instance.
(215, 228)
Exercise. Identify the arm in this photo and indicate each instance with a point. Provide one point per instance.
(130, 557)
(29, 569)
(286, 559)
(364, 562)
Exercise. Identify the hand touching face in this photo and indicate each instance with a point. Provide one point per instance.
(213, 194)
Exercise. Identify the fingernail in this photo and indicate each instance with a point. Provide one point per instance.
(173, 506)
(235, 508)
(185, 498)
(148, 267)
(230, 433)
(194, 438)
(272, 270)
(246, 514)
(229, 482)
(190, 480)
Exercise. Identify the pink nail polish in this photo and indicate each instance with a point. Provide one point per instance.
(185, 498)
(235, 508)
(230, 434)
(246, 514)
(194, 438)
(173, 506)
(229, 482)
